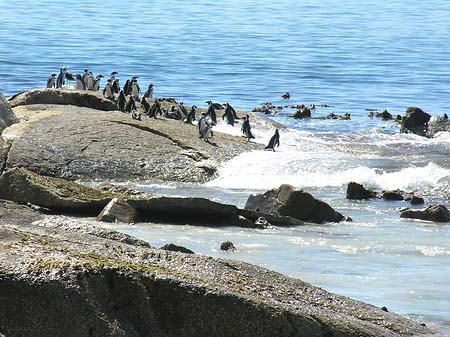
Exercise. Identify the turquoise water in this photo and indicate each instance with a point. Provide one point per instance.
(351, 55)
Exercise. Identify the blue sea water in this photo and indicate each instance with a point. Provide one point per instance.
(350, 55)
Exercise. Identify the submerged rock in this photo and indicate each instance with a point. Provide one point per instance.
(227, 246)
(436, 213)
(94, 285)
(118, 210)
(415, 121)
(286, 201)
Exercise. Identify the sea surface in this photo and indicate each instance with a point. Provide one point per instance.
(342, 56)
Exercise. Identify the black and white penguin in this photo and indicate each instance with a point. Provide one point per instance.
(229, 114)
(286, 95)
(51, 81)
(79, 83)
(61, 78)
(121, 101)
(96, 84)
(127, 87)
(274, 141)
(89, 81)
(183, 111)
(191, 115)
(135, 89)
(145, 106)
(207, 132)
(246, 129)
(202, 124)
(107, 92)
(135, 115)
(149, 92)
(116, 86)
(131, 105)
(85, 75)
(211, 112)
(155, 109)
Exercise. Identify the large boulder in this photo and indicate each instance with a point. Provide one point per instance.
(83, 98)
(357, 191)
(436, 213)
(288, 202)
(93, 285)
(175, 248)
(415, 121)
(7, 116)
(118, 210)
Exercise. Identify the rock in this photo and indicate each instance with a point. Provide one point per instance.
(415, 200)
(296, 204)
(392, 195)
(23, 186)
(436, 213)
(7, 117)
(357, 191)
(274, 219)
(87, 144)
(96, 286)
(87, 99)
(227, 246)
(245, 223)
(13, 213)
(262, 223)
(123, 190)
(415, 121)
(438, 124)
(174, 248)
(386, 115)
(118, 210)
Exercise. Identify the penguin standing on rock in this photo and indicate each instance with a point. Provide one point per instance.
(121, 101)
(274, 141)
(149, 92)
(60, 79)
(191, 115)
(155, 109)
(127, 87)
(131, 105)
(202, 125)
(145, 105)
(246, 129)
(135, 90)
(211, 112)
(96, 84)
(229, 114)
(89, 81)
(85, 75)
(108, 90)
(80, 83)
(51, 81)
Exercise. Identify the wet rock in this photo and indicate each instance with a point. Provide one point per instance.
(7, 116)
(436, 213)
(123, 190)
(415, 121)
(386, 115)
(174, 248)
(118, 210)
(357, 191)
(392, 195)
(245, 223)
(262, 223)
(438, 124)
(415, 200)
(23, 186)
(227, 246)
(286, 201)
(88, 99)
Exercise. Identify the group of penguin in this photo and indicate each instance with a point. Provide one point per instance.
(86, 81)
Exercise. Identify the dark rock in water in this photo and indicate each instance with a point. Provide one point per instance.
(245, 223)
(118, 210)
(227, 246)
(286, 201)
(415, 121)
(83, 98)
(392, 195)
(23, 186)
(436, 213)
(438, 124)
(262, 223)
(415, 200)
(385, 309)
(174, 248)
(7, 116)
(357, 191)
(386, 115)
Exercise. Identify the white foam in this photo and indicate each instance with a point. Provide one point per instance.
(432, 250)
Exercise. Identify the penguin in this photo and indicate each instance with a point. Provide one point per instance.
(85, 75)
(202, 125)
(113, 74)
(96, 84)
(51, 81)
(127, 87)
(60, 79)
(116, 86)
(286, 95)
(232, 110)
(144, 104)
(149, 92)
(121, 101)
(135, 115)
(191, 116)
(155, 109)
(131, 105)
(246, 129)
(182, 110)
(89, 81)
(211, 112)
(207, 132)
(229, 114)
(135, 90)
(445, 116)
(108, 90)
(80, 83)
(274, 141)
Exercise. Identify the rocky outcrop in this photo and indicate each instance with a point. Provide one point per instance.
(288, 202)
(357, 191)
(7, 117)
(96, 286)
(436, 213)
(228, 246)
(438, 124)
(87, 99)
(87, 144)
(392, 195)
(118, 210)
(415, 121)
(175, 248)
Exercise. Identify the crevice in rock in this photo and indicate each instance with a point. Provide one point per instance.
(3, 164)
(158, 133)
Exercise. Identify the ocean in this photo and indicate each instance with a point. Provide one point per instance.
(342, 56)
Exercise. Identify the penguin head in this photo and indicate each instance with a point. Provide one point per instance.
(86, 70)
(52, 75)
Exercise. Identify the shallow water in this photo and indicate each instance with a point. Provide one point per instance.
(349, 55)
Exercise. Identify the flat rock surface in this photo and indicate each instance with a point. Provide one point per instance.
(83, 143)
(98, 285)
